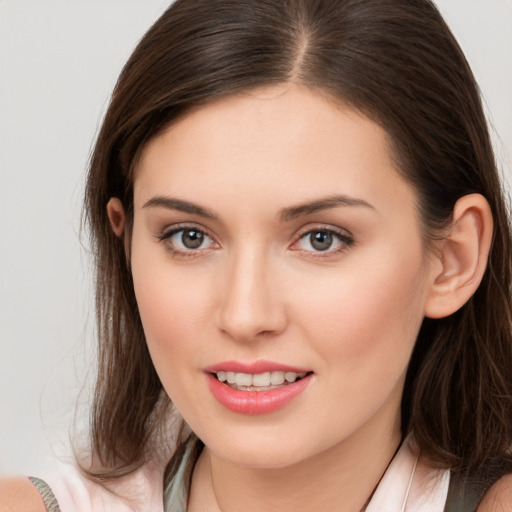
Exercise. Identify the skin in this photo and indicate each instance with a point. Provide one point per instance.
(19, 494)
(257, 290)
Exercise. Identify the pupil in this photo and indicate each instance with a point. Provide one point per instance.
(192, 239)
(321, 240)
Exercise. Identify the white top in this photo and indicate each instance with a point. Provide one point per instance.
(407, 486)
(141, 491)
(410, 486)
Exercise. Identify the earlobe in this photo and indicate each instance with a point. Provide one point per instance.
(462, 257)
(116, 215)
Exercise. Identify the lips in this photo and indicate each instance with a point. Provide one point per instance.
(258, 381)
(254, 368)
(257, 388)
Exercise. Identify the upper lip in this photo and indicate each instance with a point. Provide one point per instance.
(254, 368)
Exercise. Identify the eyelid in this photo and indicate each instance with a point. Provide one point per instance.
(168, 232)
(345, 237)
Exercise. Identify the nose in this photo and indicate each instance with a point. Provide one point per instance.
(251, 299)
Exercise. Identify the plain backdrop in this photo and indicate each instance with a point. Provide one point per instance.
(59, 60)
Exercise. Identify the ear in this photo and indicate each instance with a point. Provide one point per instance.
(116, 215)
(461, 260)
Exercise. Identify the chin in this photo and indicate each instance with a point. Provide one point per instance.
(264, 450)
(266, 447)
(268, 458)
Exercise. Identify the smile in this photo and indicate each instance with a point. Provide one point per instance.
(258, 388)
(258, 381)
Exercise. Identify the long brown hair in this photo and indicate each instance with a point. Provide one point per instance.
(397, 62)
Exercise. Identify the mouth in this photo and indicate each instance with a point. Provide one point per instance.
(257, 388)
(259, 381)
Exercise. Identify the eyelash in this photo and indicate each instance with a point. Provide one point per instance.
(344, 238)
(345, 241)
(183, 253)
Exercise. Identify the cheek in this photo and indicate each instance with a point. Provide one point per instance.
(367, 320)
(173, 303)
(168, 308)
(173, 311)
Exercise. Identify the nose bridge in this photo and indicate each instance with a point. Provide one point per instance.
(251, 304)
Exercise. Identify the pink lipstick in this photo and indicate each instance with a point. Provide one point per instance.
(256, 388)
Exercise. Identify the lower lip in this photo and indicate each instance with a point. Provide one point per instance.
(256, 402)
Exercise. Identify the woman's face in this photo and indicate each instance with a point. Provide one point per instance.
(274, 241)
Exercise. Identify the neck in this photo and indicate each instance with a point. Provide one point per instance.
(340, 479)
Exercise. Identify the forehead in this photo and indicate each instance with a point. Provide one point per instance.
(287, 141)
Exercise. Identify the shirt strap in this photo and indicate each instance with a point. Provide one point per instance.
(467, 490)
(50, 501)
(178, 474)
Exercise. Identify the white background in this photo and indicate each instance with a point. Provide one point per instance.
(59, 60)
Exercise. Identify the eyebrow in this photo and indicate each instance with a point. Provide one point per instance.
(286, 214)
(170, 203)
(326, 203)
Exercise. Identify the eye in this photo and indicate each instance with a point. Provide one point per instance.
(323, 241)
(187, 240)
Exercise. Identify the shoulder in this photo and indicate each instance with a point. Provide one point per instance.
(140, 491)
(20, 495)
(499, 497)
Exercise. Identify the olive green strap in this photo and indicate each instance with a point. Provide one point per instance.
(467, 490)
(464, 494)
(178, 474)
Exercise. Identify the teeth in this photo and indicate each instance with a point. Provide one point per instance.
(276, 378)
(243, 379)
(290, 376)
(260, 379)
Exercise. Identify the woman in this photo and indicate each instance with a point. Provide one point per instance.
(308, 253)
